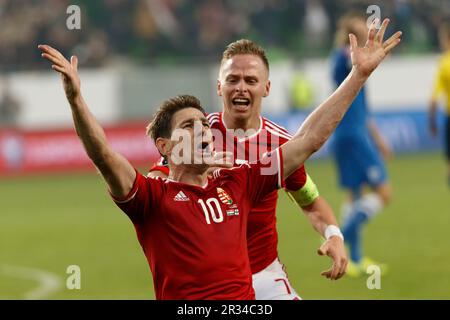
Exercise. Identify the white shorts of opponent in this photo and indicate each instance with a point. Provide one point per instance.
(272, 283)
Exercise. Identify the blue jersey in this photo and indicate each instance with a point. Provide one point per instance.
(355, 120)
(357, 158)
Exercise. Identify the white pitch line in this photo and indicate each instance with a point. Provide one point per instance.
(48, 282)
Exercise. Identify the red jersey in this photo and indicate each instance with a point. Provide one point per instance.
(262, 236)
(194, 237)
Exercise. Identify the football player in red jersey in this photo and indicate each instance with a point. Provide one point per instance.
(195, 250)
(243, 83)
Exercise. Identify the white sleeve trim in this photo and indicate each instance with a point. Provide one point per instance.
(128, 199)
(280, 173)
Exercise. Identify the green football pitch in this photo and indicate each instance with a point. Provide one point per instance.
(48, 223)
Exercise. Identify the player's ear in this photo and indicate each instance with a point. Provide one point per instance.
(162, 145)
(267, 89)
(219, 88)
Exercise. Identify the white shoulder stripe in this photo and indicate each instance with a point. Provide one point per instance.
(279, 131)
(216, 173)
(211, 115)
(280, 173)
(212, 122)
(277, 128)
(279, 134)
(275, 125)
(213, 118)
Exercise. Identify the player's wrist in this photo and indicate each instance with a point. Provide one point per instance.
(333, 231)
(359, 76)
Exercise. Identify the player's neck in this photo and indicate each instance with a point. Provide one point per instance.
(252, 123)
(189, 175)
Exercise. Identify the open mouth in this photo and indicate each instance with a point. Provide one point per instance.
(241, 104)
(205, 147)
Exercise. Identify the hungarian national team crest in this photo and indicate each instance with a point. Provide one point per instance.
(232, 209)
(224, 197)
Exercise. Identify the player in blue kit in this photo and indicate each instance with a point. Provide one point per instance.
(358, 148)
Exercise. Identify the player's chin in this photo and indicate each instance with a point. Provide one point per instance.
(203, 158)
(200, 168)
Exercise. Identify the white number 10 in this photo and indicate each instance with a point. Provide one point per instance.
(216, 213)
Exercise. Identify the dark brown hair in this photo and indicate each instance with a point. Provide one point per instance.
(161, 125)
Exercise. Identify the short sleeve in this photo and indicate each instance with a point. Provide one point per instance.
(296, 180)
(266, 175)
(137, 205)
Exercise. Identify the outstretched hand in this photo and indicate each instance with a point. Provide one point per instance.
(68, 70)
(335, 249)
(368, 58)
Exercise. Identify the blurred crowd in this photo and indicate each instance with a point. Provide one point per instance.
(164, 31)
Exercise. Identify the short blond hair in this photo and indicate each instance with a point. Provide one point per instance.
(245, 46)
(345, 26)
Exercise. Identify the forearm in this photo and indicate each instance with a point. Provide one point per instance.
(322, 219)
(90, 132)
(321, 123)
(320, 215)
(118, 173)
(315, 207)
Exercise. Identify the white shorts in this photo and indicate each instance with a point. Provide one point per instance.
(272, 283)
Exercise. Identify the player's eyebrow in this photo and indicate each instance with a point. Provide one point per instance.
(237, 76)
(192, 120)
(232, 76)
(251, 77)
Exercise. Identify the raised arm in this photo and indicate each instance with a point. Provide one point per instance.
(321, 123)
(118, 173)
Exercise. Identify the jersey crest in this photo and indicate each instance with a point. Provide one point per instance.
(232, 209)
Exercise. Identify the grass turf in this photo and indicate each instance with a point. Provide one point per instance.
(51, 222)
